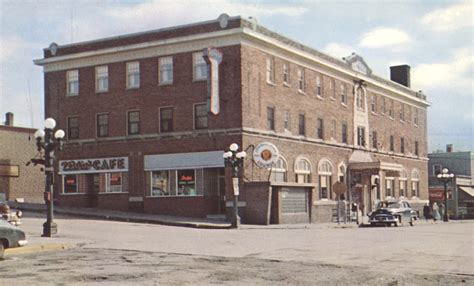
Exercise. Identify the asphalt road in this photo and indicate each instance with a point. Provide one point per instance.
(91, 252)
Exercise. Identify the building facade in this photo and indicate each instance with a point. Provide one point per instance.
(140, 136)
(19, 180)
(460, 189)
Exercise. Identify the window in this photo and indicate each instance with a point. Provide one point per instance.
(437, 168)
(279, 171)
(384, 106)
(73, 127)
(286, 120)
(344, 133)
(199, 67)
(415, 116)
(166, 119)
(160, 183)
(408, 115)
(373, 103)
(332, 88)
(101, 79)
(391, 109)
(102, 125)
(342, 173)
(271, 118)
(200, 116)
(166, 70)
(286, 74)
(70, 184)
(415, 183)
(402, 145)
(301, 84)
(392, 143)
(333, 129)
(325, 176)
(270, 70)
(402, 112)
(113, 183)
(318, 87)
(403, 182)
(389, 187)
(72, 82)
(133, 75)
(320, 130)
(301, 125)
(361, 136)
(360, 98)
(302, 170)
(417, 152)
(186, 182)
(374, 139)
(343, 94)
(133, 118)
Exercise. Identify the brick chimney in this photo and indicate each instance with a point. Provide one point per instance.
(449, 148)
(9, 119)
(400, 74)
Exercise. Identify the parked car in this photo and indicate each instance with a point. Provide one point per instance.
(10, 237)
(383, 217)
(13, 216)
(400, 209)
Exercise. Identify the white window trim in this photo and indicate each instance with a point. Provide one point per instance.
(129, 73)
(98, 77)
(270, 70)
(68, 81)
(160, 65)
(198, 56)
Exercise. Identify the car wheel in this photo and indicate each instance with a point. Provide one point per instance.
(412, 222)
(2, 250)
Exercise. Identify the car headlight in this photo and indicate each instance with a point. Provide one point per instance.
(19, 213)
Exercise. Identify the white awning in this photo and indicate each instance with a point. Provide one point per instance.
(179, 161)
(468, 190)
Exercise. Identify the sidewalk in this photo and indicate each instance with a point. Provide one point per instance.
(126, 216)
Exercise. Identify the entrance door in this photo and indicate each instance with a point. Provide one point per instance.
(221, 209)
(93, 189)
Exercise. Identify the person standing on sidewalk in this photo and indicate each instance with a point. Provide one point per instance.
(436, 215)
(426, 211)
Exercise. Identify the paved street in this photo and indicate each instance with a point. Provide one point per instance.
(120, 253)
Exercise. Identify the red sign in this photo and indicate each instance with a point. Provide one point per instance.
(436, 195)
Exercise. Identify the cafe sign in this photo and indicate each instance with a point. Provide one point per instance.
(101, 165)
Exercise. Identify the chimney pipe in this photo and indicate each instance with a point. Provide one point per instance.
(9, 119)
(400, 74)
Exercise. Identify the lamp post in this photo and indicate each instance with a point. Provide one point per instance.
(235, 159)
(445, 177)
(46, 141)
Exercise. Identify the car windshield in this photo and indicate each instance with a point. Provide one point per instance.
(393, 205)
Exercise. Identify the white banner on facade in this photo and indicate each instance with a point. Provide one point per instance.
(97, 165)
(213, 58)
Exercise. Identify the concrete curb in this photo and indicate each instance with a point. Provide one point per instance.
(39, 248)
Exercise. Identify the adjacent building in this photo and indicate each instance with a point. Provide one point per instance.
(149, 115)
(460, 189)
(19, 181)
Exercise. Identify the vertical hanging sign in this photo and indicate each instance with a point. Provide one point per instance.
(213, 58)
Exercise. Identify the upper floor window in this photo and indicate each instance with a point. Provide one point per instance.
(402, 112)
(332, 88)
(384, 106)
(373, 103)
(415, 116)
(200, 116)
(319, 89)
(374, 139)
(166, 70)
(101, 79)
(166, 119)
(270, 70)
(199, 66)
(392, 143)
(73, 127)
(333, 129)
(391, 110)
(417, 151)
(361, 136)
(320, 130)
(286, 120)
(271, 118)
(402, 145)
(286, 73)
(437, 168)
(102, 125)
(301, 83)
(302, 170)
(133, 75)
(360, 98)
(301, 125)
(72, 82)
(408, 114)
(343, 94)
(133, 119)
(344, 133)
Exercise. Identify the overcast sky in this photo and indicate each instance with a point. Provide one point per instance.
(434, 37)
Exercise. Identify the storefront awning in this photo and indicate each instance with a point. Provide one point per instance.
(179, 161)
(468, 190)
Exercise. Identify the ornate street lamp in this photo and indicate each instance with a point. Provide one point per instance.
(46, 141)
(445, 177)
(235, 160)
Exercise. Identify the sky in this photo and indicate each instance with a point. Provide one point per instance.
(434, 37)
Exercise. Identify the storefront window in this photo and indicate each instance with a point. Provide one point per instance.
(279, 171)
(70, 184)
(303, 171)
(389, 187)
(186, 183)
(160, 183)
(114, 183)
(325, 176)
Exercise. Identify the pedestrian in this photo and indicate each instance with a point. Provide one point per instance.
(426, 211)
(436, 215)
(441, 210)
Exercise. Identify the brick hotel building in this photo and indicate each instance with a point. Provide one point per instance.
(140, 137)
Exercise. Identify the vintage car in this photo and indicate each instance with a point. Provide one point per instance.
(13, 216)
(400, 209)
(383, 217)
(10, 236)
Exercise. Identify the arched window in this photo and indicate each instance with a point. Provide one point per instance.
(403, 182)
(415, 183)
(303, 170)
(325, 179)
(360, 98)
(279, 170)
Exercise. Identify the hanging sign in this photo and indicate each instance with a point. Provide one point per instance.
(265, 155)
(103, 165)
(213, 58)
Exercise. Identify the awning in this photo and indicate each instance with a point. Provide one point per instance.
(179, 161)
(468, 190)
(390, 169)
